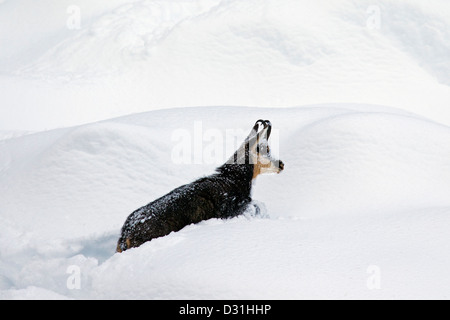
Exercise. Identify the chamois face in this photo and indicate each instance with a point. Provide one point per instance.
(263, 161)
(256, 151)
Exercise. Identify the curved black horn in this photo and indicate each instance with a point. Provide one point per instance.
(266, 124)
(269, 130)
(254, 134)
(256, 126)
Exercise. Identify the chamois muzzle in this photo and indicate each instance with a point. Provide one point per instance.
(280, 165)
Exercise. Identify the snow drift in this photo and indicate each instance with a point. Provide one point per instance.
(81, 61)
(361, 210)
(363, 186)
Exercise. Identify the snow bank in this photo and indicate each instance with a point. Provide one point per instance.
(88, 60)
(364, 162)
(360, 211)
(364, 187)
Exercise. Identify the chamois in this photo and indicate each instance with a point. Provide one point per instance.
(224, 194)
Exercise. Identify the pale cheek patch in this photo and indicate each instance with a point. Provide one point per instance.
(264, 167)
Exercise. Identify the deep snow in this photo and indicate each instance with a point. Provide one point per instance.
(361, 210)
(132, 56)
(363, 186)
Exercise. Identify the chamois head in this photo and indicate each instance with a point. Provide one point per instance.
(255, 151)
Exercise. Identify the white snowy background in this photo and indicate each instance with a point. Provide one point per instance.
(91, 93)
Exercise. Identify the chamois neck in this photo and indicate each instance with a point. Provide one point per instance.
(241, 173)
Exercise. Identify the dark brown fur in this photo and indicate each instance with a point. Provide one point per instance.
(225, 194)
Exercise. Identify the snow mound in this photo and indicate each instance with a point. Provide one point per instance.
(363, 186)
(358, 162)
(130, 56)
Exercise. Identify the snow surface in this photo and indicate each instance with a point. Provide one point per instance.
(132, 56)
(362, 209)
(363, 186)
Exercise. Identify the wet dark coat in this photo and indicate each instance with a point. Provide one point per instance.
(224, 194)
